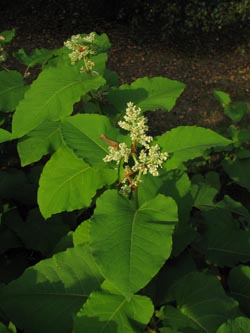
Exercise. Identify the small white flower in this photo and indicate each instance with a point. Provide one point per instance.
(117, 154)
(136, 125)
(89, 38)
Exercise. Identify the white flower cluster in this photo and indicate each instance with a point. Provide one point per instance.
(148, 159)
(2, 53)
(118, 153)
(82, 48)
(136, 125)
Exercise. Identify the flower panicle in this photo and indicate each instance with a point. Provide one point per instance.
(82, 48)
(139, 159)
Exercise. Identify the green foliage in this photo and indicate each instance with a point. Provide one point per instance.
(12, 90)
(237, 325)
(44, 298)
(141, 236)
(80, 254)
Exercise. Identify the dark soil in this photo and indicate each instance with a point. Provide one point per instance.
(202, 66)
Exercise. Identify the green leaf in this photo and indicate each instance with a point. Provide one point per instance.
(46, 296)
(12, 90)
(8, 36)
(108, 309)
(52, 96)
(174, 318)
(38, 56)
(234, 207)
(237, 325)
(82, 134)
(81, 235)
(141, 237)
(175, 184)
(236, 111)
(35, 232)
(239, 284)
(204, 190)
(102, 42)
(68, 183)
(147, 93)
(4, 329)
(202, 300)
(230, 249)
(5, 135)
(184, 143)
(168, 330)
(238, 170)
(44, 139)
(222, 97)
(100, 63)
(159, 287)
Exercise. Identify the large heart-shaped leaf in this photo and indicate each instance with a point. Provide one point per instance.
(47, 295)
(112, 313)
(12, 90)
(129, 243)
(68, 183)
(187, 142)
(52, 96)
(147, 93)
(239, 284)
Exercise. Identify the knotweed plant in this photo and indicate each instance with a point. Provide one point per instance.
(138, 159)
(82, 48)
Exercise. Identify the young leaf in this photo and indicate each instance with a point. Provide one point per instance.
(38, 56)
(107, 309)
(12, 89)
(68, 183)
(189, 142)
(237, 325)
(239, 284)
(147, 93)
(141, 237)
(236, 111)
(42, 140)
(222, 97)
(46, 296)
(52, 96)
